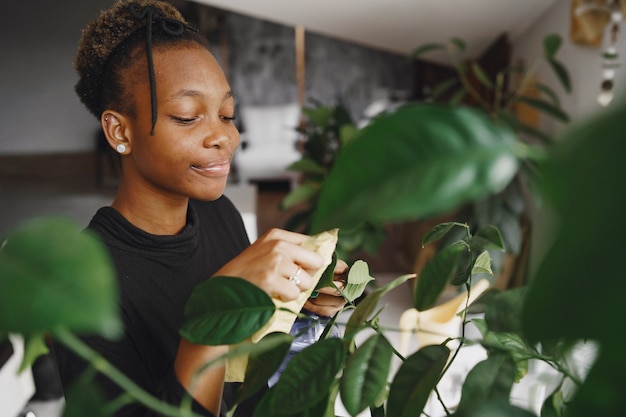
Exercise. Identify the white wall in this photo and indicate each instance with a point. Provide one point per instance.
(583, 62)
(40, 113)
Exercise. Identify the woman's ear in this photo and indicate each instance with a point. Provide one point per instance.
(114, 126)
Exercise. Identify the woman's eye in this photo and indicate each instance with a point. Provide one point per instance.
(228, 119)
(183, 120)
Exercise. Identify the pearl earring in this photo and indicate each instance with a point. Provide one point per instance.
(121, 148)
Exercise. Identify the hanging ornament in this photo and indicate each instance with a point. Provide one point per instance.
(610, 56)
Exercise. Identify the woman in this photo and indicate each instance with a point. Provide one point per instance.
(166, 107)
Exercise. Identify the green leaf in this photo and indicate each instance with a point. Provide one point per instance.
(495, 408)
(551, 45)
(307, 166)
(358, 279)
(416, 378)
(319, 116)
(512, 344)
(426, 48)
(562, 74)
(34, 346)
(321, 408)
(481, 75)
(440, 231)
(347, 132)
(458, 97)
(308, 377)
(546, 107)
(365, 375)
(487, 237)
(440, 158)
(443, 87)
(482, 265)
(504, 311)
(52, 273)
(490, 380)
(326, 280)
(554, 405)
(554, 98)
(225, 311)
(590, 243)
(303, 193)
(436, 275)
(458, 43)
(262, 365)
(367, 306)
(602, 392)
(84, 398)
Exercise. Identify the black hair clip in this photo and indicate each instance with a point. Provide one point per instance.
(170, 26)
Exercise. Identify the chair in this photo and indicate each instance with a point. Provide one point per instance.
(433, 326)
(269, 143)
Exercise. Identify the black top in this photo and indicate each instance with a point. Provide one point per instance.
(156, 275)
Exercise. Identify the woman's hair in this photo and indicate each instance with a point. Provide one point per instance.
(115, 41)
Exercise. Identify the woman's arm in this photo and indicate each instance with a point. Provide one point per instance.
(268, 263)
(207, 389)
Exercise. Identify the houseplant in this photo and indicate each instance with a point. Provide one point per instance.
(325, 129)
(503, 95)
(436, 148)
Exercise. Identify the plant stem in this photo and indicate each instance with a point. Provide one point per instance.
(136, 392)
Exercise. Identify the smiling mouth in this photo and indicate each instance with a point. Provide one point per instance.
(215, 168)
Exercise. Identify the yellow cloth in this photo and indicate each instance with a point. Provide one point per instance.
(324, 244)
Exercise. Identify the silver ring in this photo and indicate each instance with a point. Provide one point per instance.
(294, 278)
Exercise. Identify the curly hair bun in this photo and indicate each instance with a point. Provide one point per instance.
(100, 38)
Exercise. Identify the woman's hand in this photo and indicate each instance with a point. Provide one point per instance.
(329, 300)
(270, 262)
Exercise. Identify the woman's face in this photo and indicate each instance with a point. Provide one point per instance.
(194, 138)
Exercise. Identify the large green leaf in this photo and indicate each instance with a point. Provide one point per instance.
(436, 275)
(577, 291)
(489, 381)
(308, 377)
(52, 273)
(365, 376)
(418, 161)
(225, 311)
(416, 378)
(602, 393)
(504, 311)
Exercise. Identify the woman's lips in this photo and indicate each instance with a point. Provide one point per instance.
(217, 168)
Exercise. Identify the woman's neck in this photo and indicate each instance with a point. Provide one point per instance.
(155, 214)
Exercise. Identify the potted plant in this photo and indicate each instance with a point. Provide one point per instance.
(435, 158)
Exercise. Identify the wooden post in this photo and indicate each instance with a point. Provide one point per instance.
(300, 63)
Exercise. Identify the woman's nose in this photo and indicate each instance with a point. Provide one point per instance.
(220, 137)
